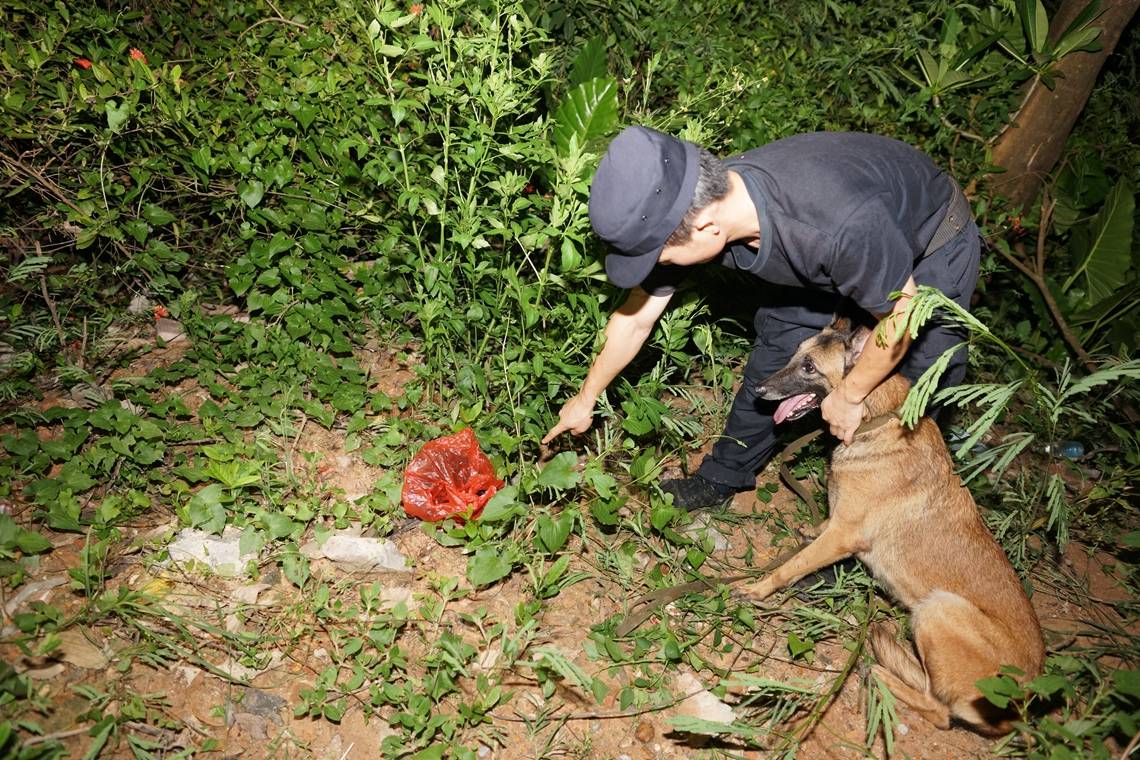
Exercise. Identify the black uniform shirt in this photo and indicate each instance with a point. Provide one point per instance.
(844, 212)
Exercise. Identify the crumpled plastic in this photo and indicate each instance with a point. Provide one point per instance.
(449, 477)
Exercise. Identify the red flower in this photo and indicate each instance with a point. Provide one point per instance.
(138, 55)
(82, 63)
(160, 312)
(416, 9)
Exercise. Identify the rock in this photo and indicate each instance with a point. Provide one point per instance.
(45, 674)
(35, 591)
(253, 726)
(248, 594)
(702, 704)
(76, 649)
(168, 330)
(489, 658)
(902, 729)
(140, 304)
(263, 703)
(702, 524)
(221, 554)
(644, 732)
(355, 553)
(187, 674)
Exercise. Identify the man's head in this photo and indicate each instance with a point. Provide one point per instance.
(647, 196)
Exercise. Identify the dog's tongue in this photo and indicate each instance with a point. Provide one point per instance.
(791, 404)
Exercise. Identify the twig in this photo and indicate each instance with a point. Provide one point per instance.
(55, 191)
(813, 719)
(56, 735)
(280, 18)
(51, 306)
(1012, 121)
(605, 715)
(1131, 746)
(1036, 275)
(83, 345)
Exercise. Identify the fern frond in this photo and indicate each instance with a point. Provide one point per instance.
(1125, 370)
(974, 393)
(997, 401)
(920, 394)
(929, 299)
(997, 458)
(1058, 513)
(29, 267)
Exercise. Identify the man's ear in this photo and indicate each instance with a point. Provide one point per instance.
(707, 220)
(854, 346)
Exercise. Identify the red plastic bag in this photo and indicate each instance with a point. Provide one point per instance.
(449, 477)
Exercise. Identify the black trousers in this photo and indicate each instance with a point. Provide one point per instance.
(792, 315)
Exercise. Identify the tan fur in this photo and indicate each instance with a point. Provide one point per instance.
(897, 504)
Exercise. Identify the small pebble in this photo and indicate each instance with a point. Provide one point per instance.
(903, 729)
(484, 750)
(644, 732)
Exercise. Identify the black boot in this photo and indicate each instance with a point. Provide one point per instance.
(697, 493)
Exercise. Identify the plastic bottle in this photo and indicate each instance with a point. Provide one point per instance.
(1065, 449)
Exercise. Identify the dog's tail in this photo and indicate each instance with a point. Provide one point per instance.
(902, 662)
(898, 659)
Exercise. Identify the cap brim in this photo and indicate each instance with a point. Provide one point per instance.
(630, 271)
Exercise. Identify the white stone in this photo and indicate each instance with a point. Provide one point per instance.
(169, 329)
(702, 703)
(357, 553)
(221, 554)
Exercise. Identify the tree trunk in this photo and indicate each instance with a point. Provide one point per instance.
(1031, 144)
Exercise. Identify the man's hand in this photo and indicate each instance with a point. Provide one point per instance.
(576, 415)
(843, 415)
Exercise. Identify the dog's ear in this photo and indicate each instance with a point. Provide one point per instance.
(841, 325)
(854, 344)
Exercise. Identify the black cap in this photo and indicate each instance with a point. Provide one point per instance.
(642, 189)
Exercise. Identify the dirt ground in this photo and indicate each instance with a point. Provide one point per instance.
(258, 720)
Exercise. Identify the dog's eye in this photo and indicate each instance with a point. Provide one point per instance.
(809, 366)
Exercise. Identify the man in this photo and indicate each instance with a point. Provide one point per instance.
(819, 218)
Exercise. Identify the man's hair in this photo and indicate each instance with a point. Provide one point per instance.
(712, 185)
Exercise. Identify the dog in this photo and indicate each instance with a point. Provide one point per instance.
(897, 504)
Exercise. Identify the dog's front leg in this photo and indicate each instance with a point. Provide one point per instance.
(835, 543)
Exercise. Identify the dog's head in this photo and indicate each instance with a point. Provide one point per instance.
(817, 367)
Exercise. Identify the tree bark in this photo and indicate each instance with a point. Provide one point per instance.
(1030, 146)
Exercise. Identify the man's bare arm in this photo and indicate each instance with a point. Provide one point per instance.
(626, 332)
(843, 408)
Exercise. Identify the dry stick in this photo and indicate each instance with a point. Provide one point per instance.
(57, 735)
(1131, 746)
(83, 346)
(280, 18)
(54, 190)
(1036, 275)
(816, 715)
(51, 305)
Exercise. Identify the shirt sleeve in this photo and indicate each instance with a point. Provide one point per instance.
(871, 257)
(663, 280)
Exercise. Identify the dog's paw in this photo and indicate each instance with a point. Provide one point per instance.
(755, 592)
